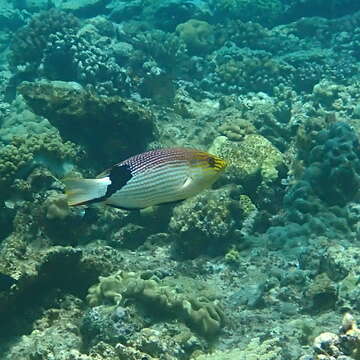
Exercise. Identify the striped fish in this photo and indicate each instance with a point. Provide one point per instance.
(151, 178)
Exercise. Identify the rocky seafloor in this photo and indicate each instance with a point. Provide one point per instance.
(263, 266)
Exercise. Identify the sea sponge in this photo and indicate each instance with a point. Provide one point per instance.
(199, 312)
(198, 35)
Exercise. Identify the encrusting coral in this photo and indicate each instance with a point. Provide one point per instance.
(202, 314)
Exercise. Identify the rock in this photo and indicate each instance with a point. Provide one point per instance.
(110, 128)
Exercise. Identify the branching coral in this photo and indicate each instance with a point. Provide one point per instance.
(31, 40)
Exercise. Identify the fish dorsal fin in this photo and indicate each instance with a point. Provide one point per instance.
(119, 176)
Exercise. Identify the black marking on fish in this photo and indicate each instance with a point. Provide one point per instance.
(119, 176)
(6, 282)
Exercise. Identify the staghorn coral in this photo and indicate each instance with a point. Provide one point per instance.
(198, 312)
(167, 49)
(81, 57)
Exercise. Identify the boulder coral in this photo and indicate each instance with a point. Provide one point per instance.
(198, 35)
(254, 156)
(109, 128)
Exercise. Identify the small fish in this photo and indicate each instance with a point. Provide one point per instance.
(6, 282)
(151, 178)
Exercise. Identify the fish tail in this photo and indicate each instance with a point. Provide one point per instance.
(85, 191)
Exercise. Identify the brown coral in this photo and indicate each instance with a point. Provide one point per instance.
(30, 41)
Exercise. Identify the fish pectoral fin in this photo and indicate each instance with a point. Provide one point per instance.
(187, 182)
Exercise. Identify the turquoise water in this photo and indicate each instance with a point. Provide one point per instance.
(264, 263)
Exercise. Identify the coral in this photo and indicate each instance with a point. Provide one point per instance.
(57, 207)
(345, 345)
(255, 70)
(322, 293)
(110, 128)
(166, 15)
(104, 323)
(297, 9)
(175, 340)
(252, 157)
(54, 334)
(199, 312)
(197, 35)
(167, 49)
(262, 11)
(256, 350)
(233, 126)
(205, 224)
(81, 57)
(31, 40)
(333, 173)
(22, 155)
(85, 8)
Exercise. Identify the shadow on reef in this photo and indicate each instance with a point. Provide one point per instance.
(109, 128)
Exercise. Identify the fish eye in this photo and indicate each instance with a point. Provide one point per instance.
(211, 161)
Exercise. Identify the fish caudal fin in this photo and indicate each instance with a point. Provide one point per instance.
(85, 191)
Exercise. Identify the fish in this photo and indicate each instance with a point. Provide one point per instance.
(6, 282)
(161, 176)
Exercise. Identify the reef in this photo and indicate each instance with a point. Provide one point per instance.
(198, 312)
(109, 125)
(262, 265)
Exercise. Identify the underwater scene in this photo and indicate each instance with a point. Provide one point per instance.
(179, 180)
